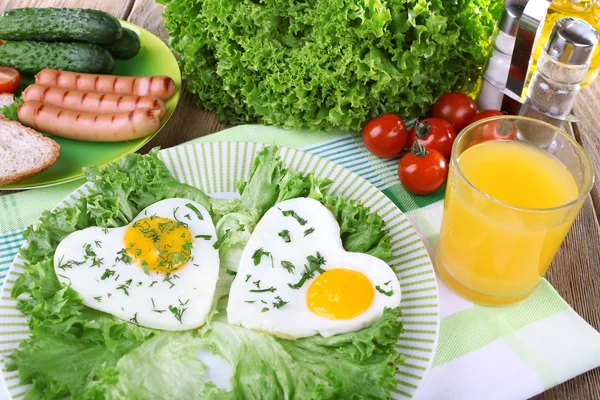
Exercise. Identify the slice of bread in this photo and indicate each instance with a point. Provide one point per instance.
(23, 152)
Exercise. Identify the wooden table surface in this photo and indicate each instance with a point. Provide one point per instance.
(575, 272)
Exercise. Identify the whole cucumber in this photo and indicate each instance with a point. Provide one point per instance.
(32, 57)
(126, 47)
(59, 25)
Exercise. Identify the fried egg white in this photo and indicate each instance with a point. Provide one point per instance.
(160, 271)
(274, 292)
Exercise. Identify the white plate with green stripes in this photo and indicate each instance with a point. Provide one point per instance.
(216, 168)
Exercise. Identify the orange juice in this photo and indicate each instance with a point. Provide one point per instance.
(494, 250)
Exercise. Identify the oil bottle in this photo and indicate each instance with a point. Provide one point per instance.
(587, 10)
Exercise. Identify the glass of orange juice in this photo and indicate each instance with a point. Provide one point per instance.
(514, 188)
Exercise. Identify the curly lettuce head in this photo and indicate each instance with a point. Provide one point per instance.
(324, 64)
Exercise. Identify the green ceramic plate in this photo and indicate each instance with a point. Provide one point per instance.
(154, 58)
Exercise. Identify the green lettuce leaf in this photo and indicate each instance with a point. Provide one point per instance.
(362, 364)
(297, 184)
(78, 361)
(123, 188)
(327, 64)
(165, 367)
(362, 231)
(261, 190)
(10, 111)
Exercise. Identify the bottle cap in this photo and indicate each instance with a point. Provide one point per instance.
(572, 41)
(509, 20)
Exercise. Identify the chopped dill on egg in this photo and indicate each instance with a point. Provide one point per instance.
(387, 293)
(97, 262)
(248, 277)
(289, 267)
(107, 274)
(154, 307)
(258, 254)
(195, 210)
(256, 283)
(314, 265)
(68, 264)
(134, 319)
(167, 278)
(292, 213)
(269, 289)
(126, 258)
(98, 299)
(280, 302)
(178, 311)
(308, 231)
(250, 301)
(205, 237)
(265, 309)
(98, 243)
(125, 287)
(285, 235)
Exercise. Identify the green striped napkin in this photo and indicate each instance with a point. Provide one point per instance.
(511, 352)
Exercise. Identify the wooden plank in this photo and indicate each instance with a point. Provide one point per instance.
(188, 121)
(587, 132)
(575, 272)
(118, 8)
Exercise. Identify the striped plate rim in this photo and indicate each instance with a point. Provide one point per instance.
(215, 167)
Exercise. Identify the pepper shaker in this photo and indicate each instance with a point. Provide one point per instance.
(560, 69)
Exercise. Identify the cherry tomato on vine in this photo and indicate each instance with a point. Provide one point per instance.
(422, 171)
(9, 80)
(456, 108)
(494, 130)
(385, 136)
(485, 114)
(433, 133)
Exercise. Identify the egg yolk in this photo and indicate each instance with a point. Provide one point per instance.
(158, 244)
(340, 293)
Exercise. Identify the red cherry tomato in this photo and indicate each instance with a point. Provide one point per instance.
(9, 80)
(500, 129)
(422, 171)
(433, 133)
(485, 114)
(456, 108)
(385, 136)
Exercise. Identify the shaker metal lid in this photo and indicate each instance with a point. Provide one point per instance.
(572, 41)
(509, 20)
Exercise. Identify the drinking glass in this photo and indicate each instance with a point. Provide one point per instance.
(495, 252)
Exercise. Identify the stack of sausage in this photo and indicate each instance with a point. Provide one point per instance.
(99, 108)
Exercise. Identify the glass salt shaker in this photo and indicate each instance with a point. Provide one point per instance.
(561, 67)
(503, 42)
